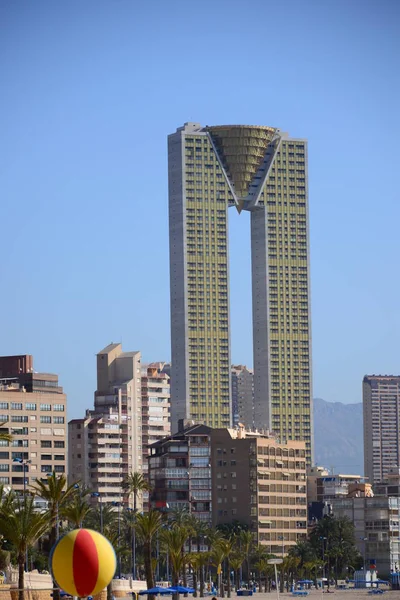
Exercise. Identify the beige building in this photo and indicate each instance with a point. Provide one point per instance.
(381, 409)
(106, 445)
(262, 483)
(323, 486)
(156, 423)
(33, 409)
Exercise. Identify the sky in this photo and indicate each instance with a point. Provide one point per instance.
(89, 92)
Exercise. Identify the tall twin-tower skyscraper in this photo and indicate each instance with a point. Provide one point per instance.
(264, 171)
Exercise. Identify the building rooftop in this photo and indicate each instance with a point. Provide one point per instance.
(109, 348)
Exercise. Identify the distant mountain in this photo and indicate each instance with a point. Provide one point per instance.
(338, 436)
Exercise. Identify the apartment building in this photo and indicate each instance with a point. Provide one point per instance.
(261, 482)
(381, 409)
(180, 472)
(106, 445)
(33, 408)
(242, 380)
(156, 423)
(376, 521)
(323, 486)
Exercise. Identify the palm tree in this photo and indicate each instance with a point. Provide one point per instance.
(76, 511)
(147, 526)
(134, 484)
(245, 543)
(227, 546)
(237, 559)
(104, 515)
(55, 491)
(261, 566)
(22, 526)
(217, 558)
(5, 436)
(175, 540)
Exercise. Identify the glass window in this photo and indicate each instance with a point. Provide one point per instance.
(3, 405)
(45, 443)
(45, 419)
(45, 407)
(46, 469)
(4, 467)
(58, 407)
(16, 405)
(58, 444)
(30, 406)
(45, 457)
(58, 420)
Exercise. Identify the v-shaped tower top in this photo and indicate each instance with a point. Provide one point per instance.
(246, 152)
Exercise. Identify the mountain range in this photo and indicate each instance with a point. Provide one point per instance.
(338, 436)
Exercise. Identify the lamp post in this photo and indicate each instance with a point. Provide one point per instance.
(282, 538)
(323, 557)
(119, 533)
(364, 539)
(276, 561)
(97, 495)
(24, 464)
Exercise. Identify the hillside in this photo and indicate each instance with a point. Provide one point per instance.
(338, 435)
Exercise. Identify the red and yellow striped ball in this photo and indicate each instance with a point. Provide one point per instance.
(83, 562)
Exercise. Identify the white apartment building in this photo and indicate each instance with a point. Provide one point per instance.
(106, 445)
(381, 408)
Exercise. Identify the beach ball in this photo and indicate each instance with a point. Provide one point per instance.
(83, 562)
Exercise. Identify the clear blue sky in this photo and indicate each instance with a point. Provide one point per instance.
(89, 92)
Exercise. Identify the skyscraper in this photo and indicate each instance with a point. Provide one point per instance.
(264, 171)
(381, 409)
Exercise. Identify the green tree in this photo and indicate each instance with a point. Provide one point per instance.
(5, 436)
(227, 546)
(22, 526)
(237, 559)
(175, 539)
(147, 526)
(77, 511)
(135, 484)
(245, 540)
(261, 566)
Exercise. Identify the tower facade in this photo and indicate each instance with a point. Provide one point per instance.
(381, 410)
(263, 171)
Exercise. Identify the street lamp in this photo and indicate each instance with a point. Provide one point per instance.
(282, 538)
(97, 495)
(24, 464)
(323, 557)
(364, 539)
(118, 504)
(276, 561)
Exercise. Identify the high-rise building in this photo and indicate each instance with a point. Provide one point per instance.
(381, 409)
(242, 396)
(33, 409)
(261, 483)
(264, 171)
(156, 423)
(106, 445)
